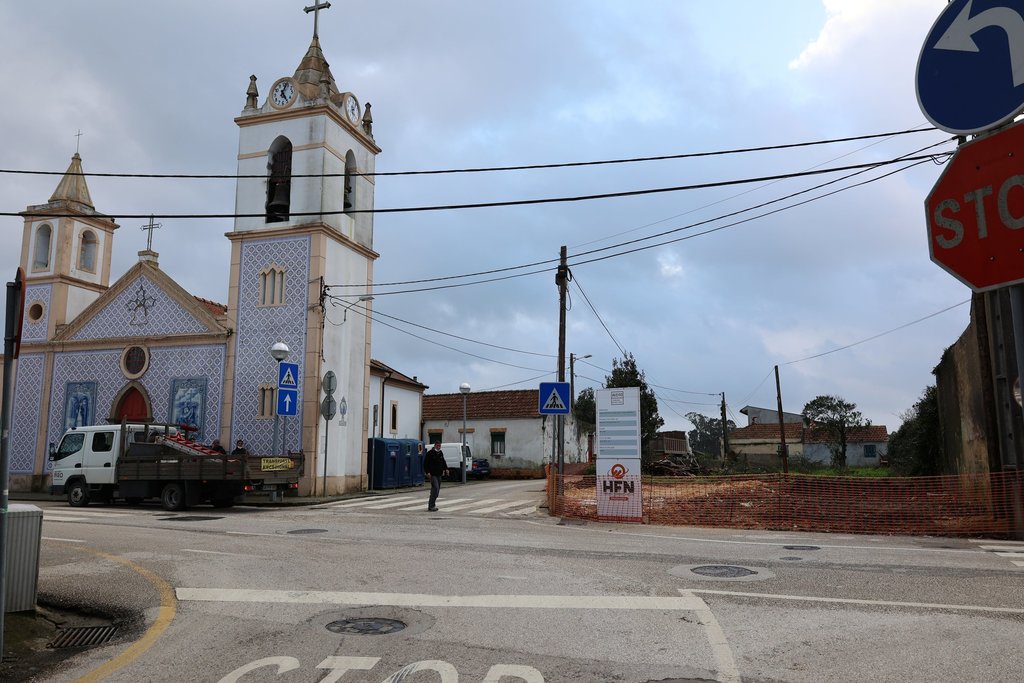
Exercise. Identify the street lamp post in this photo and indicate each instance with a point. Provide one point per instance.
(465, 389)
(572, 380)
(362, 299)
(279, 352)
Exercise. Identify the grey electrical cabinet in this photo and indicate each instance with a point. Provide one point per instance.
(21, 547)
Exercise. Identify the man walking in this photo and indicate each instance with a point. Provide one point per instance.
(434, 467)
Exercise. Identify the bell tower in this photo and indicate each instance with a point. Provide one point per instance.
(65, 251)
(303, 200)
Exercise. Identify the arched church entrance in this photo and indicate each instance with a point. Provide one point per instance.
(132, 405)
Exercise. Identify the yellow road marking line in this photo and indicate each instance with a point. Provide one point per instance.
(168, 609)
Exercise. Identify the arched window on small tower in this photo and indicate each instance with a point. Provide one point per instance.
(279, 180)
(350, 178)
(87, 252)
(41, 249)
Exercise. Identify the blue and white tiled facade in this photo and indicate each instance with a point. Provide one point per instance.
(36, 331)
(259, 327)
(26, 412)
(142, 309)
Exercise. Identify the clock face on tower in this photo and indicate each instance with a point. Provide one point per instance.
(352, 109)
(282, 93)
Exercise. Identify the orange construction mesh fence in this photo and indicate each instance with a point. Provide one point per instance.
(946, 506)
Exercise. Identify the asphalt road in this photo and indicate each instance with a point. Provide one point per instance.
(490, 590)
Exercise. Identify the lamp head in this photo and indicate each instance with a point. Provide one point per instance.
(279, 351)
(465, 388)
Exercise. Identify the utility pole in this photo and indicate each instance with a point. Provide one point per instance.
(562, 280)
(782, 425)
(725, 430)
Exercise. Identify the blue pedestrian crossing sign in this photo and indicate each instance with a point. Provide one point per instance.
(288, 376)
(553, 398)
(287, 402)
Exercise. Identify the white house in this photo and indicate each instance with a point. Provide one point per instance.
(396, 403)
(504, 426)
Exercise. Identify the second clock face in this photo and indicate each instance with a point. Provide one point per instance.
(352, 109)
(282, 93)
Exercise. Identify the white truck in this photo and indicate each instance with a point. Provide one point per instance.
(139, 461)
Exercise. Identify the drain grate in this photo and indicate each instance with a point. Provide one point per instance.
(801, 547)
(307, 531)
(368, 626)
(791, 559)
(82, 636)
(723, 571)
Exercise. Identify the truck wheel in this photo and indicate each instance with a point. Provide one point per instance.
(173, 497)
(78, 495)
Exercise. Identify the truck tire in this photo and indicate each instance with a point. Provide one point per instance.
(78, 494)
(173, 497)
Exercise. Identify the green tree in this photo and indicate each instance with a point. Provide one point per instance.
(834, 418)
(625, 373)
(915, 448)
(585, 408)
(706, 435)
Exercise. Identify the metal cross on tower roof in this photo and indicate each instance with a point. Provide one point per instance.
(151, 226)
(315, 9)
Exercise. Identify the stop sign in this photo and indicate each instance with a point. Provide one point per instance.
(976, 212)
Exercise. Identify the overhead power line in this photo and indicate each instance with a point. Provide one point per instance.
(480, 169)
(490, 205)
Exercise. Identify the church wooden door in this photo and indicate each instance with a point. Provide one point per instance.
(133, 406)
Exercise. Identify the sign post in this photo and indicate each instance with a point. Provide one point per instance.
(553, 399)
(287, 397)
(12, 345)
(328, 409)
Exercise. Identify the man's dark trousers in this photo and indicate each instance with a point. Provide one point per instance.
(435, 489)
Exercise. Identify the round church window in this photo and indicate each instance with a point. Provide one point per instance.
(35, 312)
(134, 361)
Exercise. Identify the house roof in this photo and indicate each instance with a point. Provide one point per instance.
(212, 306)
(797, 433)
(794, 432)
(378, 368)
(482, 405)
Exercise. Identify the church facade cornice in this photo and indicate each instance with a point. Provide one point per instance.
(304, 229)
(306, 112)
(118, 343)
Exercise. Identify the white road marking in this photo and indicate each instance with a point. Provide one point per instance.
(720, 649)
(61, 518)
(393, 504)
(1012, 556)
(616, 602)
(360, 502)
(63, 540)
(214, 552)
(523, 511)
(853, 601)
(1004, 548)
(445, 507)
(421, 505)
(495, 508)
(1001, 542)
(1018, 563)
(85, 513)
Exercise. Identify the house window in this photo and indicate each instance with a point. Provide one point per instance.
(350, 173)
(271, 284)
(497, 444)
(870, 451)
(87, 252)
(41, 257)
(394, 417)
(435, 437)
(268, 401)
(279, 181)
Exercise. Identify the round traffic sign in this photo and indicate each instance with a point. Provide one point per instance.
(328, 408)
(970, 73)
(329, 383)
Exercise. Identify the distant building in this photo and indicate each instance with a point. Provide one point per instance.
(396, 402)
(758, 444)
(760, 416)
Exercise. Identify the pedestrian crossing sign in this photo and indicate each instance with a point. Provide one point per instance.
(553, 398)
(288, 376)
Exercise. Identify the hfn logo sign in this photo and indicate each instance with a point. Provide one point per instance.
(618, 486)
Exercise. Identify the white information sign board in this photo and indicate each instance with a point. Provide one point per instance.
(618, 454)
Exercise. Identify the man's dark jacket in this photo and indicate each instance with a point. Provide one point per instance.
(434, 463)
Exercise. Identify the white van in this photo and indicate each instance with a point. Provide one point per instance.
(451, 458)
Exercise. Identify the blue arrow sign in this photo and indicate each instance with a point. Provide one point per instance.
(553, 398)
(287, 402)
(970, 75)
(288, 376)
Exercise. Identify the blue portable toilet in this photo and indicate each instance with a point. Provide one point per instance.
(382, 462)
(412, 462)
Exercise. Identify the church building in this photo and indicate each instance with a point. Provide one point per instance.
(142, 348)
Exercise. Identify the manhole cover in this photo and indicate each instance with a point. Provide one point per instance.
(85, 636)
(791, 558)
(307, 531)
(366, 626)
(801, 547)
(723, 571)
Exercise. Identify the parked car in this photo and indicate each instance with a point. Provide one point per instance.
(481, 468)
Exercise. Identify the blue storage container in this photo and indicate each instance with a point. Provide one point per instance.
(382, 466)
(411, 467)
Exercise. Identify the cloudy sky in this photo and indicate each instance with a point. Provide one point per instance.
(154, 88)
